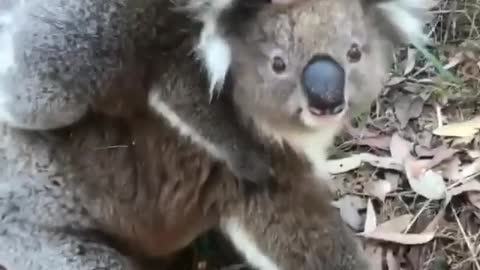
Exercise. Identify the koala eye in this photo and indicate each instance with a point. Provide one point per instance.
(354, 54)
(278, 65)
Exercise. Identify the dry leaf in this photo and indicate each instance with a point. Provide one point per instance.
(379, 188)
(462, 141)
(425, 181)
(395, 80)
(390, 231)
(455, 60)
(401, 238)
(399, 148)
(470, 169)
(379, 142)
(407, 107)
(381, 162)
(342, 165)
(349, 206)
(472, 185)
(460, 129)
(474, 198)
(371, 219)
(451, 171)
(474, 154)
(442, 153)
(397, 224)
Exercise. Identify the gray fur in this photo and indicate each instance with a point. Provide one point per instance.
(65, 51)
(124, 172)
(153, 197)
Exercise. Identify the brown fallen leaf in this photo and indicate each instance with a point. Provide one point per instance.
(407, 107)
(400, 148)
(395, 80)
(378, 142)
(459, 129)
(462, 141)
(441, 154)
(425, 181)
(342, 165)
(474, 154)
(381, 162)
(470, 169)
(401, 238)
(472, 185)
(397, 224)
(451, 171)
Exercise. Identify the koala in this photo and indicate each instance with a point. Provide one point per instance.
(120, 184)
(297, 90)
(62, 55)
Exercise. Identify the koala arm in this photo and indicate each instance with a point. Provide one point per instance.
(57, 55)
(291, 224)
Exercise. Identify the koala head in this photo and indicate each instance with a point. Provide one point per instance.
(299, 69)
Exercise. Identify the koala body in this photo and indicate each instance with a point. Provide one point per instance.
(105, 192)
(298, 72)
(63, 54)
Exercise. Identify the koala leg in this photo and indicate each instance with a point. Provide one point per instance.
(25, 247)
(42, 228)
(37, 60)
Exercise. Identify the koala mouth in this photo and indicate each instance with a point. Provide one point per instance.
(326, 111)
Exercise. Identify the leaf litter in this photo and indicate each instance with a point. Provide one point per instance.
(417, 169)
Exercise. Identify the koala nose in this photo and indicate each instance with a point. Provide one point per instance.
(323, 81)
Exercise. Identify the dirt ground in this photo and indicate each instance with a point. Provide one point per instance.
(407, 172)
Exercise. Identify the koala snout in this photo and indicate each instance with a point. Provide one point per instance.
(323, 81)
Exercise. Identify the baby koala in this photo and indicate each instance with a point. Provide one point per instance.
(297, 72)
(57, 55)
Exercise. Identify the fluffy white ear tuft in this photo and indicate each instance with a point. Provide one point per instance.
(212, 49)
(408, 17)
(215, 54)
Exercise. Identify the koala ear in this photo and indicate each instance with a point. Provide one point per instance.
(401, 20)
(215, 54)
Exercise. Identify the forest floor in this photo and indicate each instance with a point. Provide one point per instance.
(407, 172)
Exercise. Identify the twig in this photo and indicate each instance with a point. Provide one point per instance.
(467, 241)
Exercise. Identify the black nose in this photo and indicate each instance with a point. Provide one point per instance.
(324, 83)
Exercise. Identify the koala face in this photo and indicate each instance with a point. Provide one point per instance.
(302, 68)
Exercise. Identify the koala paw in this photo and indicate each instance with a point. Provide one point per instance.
(253, 168)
